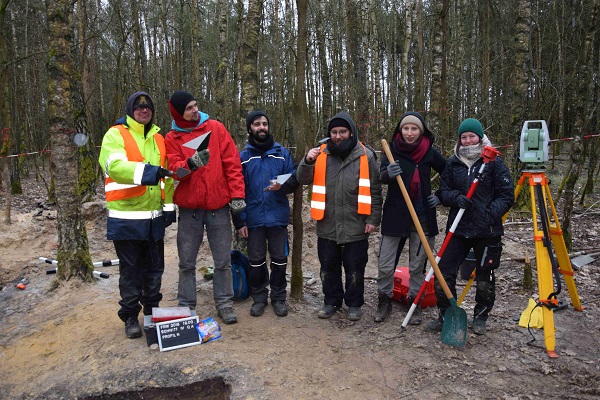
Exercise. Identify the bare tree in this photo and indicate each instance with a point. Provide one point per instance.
(73, 249)
(4, 113)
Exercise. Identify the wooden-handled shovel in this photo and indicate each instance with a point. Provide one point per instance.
(454, 331)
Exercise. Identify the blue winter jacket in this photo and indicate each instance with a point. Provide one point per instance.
(270, 208)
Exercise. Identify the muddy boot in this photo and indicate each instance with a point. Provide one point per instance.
(417, 316)
(132, 327)
(478, 326)
(384, 308)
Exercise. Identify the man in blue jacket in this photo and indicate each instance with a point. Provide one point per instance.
(264, 223)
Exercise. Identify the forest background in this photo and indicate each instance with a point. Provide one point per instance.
(68, 67)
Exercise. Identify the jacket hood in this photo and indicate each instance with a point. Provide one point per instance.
(346, 117)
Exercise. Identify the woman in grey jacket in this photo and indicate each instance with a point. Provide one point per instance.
(346, 203)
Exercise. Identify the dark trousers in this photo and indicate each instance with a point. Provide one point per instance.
(275, 240)
(455, 253)
(141, 265)
(353, 257)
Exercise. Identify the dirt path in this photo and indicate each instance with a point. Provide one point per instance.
(70, 344)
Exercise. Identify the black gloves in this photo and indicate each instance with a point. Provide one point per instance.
(199, 159)
(464, 202)
(394, 169)
(237, 206)
(433, 201)
(170, 217)
(162, 173)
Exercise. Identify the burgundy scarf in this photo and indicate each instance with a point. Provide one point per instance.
(416, 151)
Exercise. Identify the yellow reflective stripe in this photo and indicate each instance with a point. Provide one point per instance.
(134, 214)
(109, 187)
(138, 173)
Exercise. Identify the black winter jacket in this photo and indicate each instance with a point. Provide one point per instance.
(396, 217)
(492, 198)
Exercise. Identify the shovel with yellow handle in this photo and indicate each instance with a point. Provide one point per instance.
(454, 330)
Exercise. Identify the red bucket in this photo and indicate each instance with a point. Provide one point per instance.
(401, 285)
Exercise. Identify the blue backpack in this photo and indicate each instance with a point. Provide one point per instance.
(240, 268)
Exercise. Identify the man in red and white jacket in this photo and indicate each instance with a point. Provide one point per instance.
(204, 198)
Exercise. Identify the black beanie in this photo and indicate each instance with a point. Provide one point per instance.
(179, 101)
(334, 123)
(252, 115)
(136, 99)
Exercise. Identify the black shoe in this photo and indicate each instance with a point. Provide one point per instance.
(478, 327)
(327, 311)
(383, 308)
(417, 316)
(227, 315)
(132, 327)
(257, 309)
(280, 308)
(354, 313)
(435, 325)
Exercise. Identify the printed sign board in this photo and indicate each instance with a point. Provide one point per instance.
(178, 333)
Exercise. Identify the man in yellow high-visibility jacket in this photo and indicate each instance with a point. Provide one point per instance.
(139, 198)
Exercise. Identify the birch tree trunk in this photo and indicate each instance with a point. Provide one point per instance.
(73, 250)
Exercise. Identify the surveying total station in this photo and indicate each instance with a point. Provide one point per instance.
(534, 153)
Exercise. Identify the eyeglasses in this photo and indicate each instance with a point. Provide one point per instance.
(142, 108)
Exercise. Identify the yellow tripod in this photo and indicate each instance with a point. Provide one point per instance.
(547, 266)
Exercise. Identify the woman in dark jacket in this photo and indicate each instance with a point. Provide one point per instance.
(481, 225)
(415, 156)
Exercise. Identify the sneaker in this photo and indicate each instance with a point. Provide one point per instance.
(227, 315)
(354, 313)
(383, 308)
(327, 311)
(132, 327)
(257, 309)
(417, 316)
(478, 326)
(435, 325)
(280, 308)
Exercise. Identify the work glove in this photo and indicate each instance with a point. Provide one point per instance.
(162, 173)
(394, 169)
(464, 202)
(170, 217)
(199, 159)
(433, 201)
(237, 206)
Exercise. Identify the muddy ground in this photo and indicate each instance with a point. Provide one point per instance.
(69, 343)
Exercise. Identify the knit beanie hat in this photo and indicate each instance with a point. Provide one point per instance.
(411, 119)
(252, 115)
(338, 122)
(179, 101)
(471, 125)
(138, 99)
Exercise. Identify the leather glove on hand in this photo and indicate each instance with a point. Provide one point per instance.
(394, 169)
(170, 217)
(464, 202)
(199, 159)
(433, 201)
(237, 206)
(162, 173)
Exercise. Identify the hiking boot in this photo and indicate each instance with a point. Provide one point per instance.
(132, 327)
(417, 316)
(478, 326)
(435, 325)
(354, 313)
(257, 309)
(327, 311)
(280, 308)
(227, 315)
(384, 308)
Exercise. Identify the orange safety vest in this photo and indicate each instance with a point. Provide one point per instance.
(317, 203)
(115, 191)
